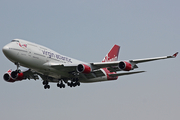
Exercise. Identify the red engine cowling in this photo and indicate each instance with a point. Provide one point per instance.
(17, 76)
(12, 76)
(7, 76)
(126, 66)
(82, 68)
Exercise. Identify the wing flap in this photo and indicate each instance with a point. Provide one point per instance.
(125, 73)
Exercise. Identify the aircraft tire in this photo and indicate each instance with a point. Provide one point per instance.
(64, 86)
(46, 86)
(78, 83)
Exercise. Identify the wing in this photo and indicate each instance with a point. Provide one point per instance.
(136, 61)
(68, 70)
(116, 65)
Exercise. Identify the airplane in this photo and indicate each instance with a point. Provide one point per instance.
(56, 68)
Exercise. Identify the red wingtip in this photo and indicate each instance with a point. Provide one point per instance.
(175, 54)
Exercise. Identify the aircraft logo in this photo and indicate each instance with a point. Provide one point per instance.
(112, 55)
(23, 45)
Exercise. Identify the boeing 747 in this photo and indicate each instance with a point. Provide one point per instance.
(54, 67)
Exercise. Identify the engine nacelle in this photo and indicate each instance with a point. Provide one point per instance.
(126, 66)
(7, 76)
(17, 76)
(82, 68)
(12, 76)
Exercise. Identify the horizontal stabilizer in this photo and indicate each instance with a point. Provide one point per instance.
(125, 73)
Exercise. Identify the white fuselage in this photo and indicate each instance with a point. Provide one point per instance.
(39, 58)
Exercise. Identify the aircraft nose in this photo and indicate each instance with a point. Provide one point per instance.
(5, 49)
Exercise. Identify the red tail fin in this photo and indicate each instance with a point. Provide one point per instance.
(112, 55)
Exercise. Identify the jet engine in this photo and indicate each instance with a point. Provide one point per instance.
(82, 68)
(126, 66)
(17, 76)
(12, 76)
(7, 76)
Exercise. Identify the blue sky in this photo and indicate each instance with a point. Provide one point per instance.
(86, 30)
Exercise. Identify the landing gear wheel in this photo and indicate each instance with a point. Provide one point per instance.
(74, 84)
(78, 83)
(47, 86)
(71, 84)
(63, 86)
(68, 84)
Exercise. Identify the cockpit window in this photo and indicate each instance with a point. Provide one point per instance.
(15, 41)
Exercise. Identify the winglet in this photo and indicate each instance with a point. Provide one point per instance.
(175, 54)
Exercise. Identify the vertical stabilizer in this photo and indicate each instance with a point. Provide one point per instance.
(112, 55)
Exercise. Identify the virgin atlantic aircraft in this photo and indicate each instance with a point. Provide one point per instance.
(54, 67)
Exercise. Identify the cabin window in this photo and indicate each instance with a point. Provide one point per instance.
(15, 41)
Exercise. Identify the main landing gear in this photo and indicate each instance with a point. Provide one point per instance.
(61, 84)
(74, 82)
(46, 86)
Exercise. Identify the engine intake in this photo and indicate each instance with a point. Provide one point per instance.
(7, 77)
(82, 68)
(17, 76)
(126, 66)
